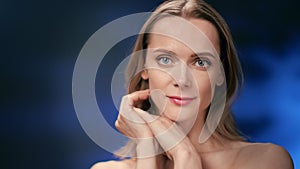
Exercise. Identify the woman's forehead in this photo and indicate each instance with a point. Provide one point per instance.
(197, 34)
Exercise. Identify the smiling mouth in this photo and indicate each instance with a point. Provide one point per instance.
(180, 101)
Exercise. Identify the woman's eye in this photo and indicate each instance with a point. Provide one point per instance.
(164, 60)
(202, 63)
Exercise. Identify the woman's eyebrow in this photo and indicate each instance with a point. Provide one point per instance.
(171, 53)
(204, 54)
(159, 50)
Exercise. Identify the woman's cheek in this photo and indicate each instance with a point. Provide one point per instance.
(205, 93)
(158, 79)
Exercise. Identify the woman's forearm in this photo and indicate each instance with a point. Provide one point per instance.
(146, 151)
(146, 163)
(186, 159)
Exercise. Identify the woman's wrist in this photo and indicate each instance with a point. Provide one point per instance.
(186, 158)
(185, 147)
(185, 152)
(147, 147)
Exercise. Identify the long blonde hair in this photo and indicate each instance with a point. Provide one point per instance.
(200, 10)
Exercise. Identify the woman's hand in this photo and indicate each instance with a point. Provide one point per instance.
(129, 121)
(173, 140)
(149, 130)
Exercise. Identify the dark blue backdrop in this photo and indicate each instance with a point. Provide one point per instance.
(40, 41)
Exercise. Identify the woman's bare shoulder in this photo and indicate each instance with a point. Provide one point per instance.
(265, 155)
(124, 164)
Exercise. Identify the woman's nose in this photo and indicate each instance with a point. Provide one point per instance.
(182, 76)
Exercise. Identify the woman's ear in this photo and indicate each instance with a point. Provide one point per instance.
(220, 79)
(144, 74)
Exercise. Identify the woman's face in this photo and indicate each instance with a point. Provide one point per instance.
(183, 76)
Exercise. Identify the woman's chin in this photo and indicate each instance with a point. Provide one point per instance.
(180, 117)
(180, 113)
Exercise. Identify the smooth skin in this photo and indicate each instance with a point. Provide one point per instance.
(189, 154)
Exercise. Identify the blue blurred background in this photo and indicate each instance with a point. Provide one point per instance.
(40, 41)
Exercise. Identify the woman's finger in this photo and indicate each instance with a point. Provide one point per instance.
(129, 121)
(138, 96)
(127, 111)
(167, 132)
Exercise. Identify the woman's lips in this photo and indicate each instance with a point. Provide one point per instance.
(180, 101)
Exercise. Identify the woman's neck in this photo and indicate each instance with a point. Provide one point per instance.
(211, 144)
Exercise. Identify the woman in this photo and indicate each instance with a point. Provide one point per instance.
(167, 77)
